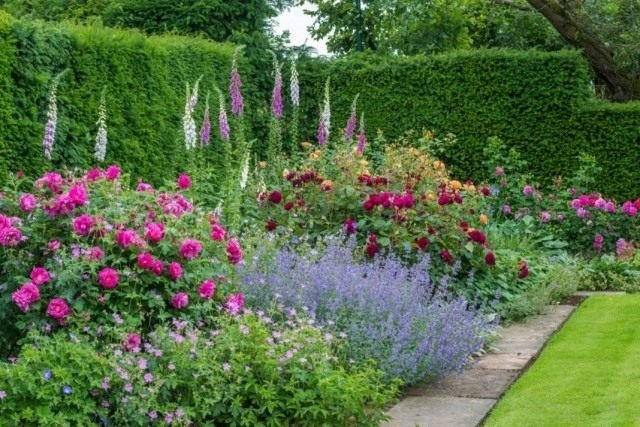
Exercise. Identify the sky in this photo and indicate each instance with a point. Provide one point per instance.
(297, 22)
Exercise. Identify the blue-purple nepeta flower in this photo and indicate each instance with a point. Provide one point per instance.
(415, 328)
(46, 375)
(235, 86)
(67, 389)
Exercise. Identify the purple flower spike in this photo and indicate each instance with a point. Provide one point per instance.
(235, 86)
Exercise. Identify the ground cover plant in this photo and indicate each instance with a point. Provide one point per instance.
(582, 377)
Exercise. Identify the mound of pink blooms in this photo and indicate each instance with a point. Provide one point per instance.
(137, 245)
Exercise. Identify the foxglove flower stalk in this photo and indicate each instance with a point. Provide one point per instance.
(101, 137)
(326, 109)
(294, 85)
(235, 86)
(362, 137)
(52, 118)
(223, 122)
(323, 132)
(205, 130)
(244, 177)
(350, 129)
(188, 122)
(276, 97)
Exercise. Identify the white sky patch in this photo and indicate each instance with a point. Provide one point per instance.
(296, 22)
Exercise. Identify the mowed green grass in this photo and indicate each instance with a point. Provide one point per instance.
(588, 375)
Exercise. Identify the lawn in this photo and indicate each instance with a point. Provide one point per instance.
(588, 374)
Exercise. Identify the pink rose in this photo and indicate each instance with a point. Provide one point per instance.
(145, 260)
(184, 182)
(108, 278)
(39, 276)
(154, 231)
(26, 295)
(180, 300)
(234, 252)
(126, 238)
(58, 309)
(190, 249)
(82, 224)
(218, 233)
(234, 304)
(175, 270)
(112, 173)
(132, 342)
(207, 289)
(28, 202)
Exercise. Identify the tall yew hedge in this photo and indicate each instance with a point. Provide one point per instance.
(540, 103)
(144, 79)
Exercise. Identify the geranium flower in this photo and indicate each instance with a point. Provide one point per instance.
(180, 300)
(234, 304)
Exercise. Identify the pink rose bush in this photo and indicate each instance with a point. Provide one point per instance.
(76, 249)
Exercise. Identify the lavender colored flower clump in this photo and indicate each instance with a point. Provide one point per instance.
(413, 328)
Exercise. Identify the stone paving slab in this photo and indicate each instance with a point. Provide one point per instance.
(464, 400)
(439, 412)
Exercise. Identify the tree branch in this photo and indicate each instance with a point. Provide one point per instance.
(511, 3)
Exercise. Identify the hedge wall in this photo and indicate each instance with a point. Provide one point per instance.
(540, 103)
(145, 91)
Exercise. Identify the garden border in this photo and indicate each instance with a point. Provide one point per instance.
(467, 399)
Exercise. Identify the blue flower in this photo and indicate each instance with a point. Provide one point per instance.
(67, 389)
(47, 375)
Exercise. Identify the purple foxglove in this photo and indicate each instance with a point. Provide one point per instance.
(223, 122)
(235, 86)
(350, 129)
(276, 97)
(205, 130)
(362, 137)
(323, 134)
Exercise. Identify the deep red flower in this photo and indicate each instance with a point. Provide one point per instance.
(368, 204)
(422, 242)
(271, 225)
(288, 206)
(444, 199)
(477, 236)
(350, 226)
(485, 191)
(523, 273)
(464, 225)
(457, 198)
(275, 197)
(445, 255)
(490, 259)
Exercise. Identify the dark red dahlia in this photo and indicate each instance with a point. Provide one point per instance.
(271, 225)
(490, 259)
(275, 197)
(477, 236)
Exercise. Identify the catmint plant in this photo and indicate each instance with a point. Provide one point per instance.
(101, 137)
(413, 327)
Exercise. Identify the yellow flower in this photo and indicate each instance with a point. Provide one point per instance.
(438, 165)
(469, 187)
(431, 196)
(428, 134)
(316, 154)
(484, 219)
(306, 145)
(455, 185)
(363, 163)
(285, 173)
(263, 165)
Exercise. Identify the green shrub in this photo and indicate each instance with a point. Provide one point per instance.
(540, 103)
(144, 79)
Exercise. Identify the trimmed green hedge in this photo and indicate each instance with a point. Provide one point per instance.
(541, 103)
(145, 90)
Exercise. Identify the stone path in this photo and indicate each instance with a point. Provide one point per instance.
(466, 399)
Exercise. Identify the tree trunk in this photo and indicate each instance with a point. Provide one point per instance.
(621, 86)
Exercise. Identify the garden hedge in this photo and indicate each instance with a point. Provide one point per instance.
(540, 103)
(144, 79)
